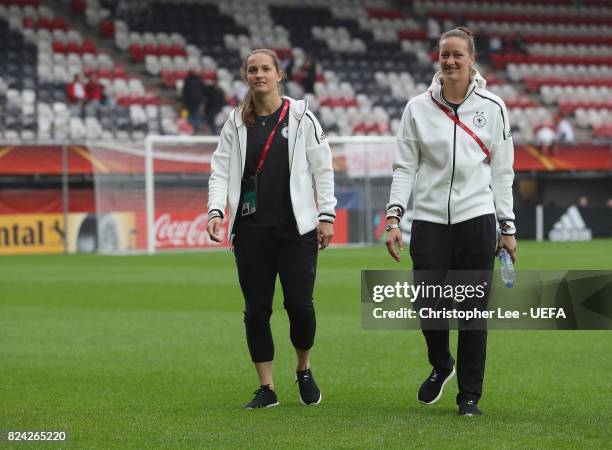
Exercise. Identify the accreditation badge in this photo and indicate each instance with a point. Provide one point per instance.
(249, 196)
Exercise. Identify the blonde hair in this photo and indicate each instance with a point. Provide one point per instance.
(462, 33)
(248, 104)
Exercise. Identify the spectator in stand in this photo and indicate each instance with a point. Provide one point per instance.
(94, 90)
(305, 75)
(482, 47)
(214, 101)
(518, 44)
(182, 123)
(514, 44)
(496, 45)
(565, 132)
(193, 96)
(76, 95)
(546, 138)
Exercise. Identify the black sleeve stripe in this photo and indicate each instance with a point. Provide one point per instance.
(506, 220)
(398, 205)
(326, 221)
(314, 126)
(501, 110)
(213, 211)
(328, 215)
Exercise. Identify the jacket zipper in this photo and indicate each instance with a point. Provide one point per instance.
(233, 231)
(454, 149)
(450, 190)
(297, 131)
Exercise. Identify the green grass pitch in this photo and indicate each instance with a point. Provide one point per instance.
(149, 352)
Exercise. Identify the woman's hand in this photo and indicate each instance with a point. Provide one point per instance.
(325, 233)
(213, 229)
(395, 243)
(509, 243)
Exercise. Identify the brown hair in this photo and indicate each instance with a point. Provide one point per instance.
(248, 105)
(462, 33)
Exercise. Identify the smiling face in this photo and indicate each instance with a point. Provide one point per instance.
(261, 74)
(455, 59)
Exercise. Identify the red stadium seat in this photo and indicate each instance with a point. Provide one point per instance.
(58, 23)
(105, 73)
(150, 49)
(209, 75)
(136, 53)
(89, 46)
(164, 50)
(168, 78)
(107, 28)
(58, 47)
(151, 98)
(119, 72)
(77, 7)
(44, 23)
(180, 74)
(73, 47)
(177, 50)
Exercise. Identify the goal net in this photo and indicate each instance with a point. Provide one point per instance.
(153, 196)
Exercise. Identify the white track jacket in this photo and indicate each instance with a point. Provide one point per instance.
(449, 172)
(310, 169)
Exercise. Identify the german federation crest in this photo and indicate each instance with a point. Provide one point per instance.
(479, 120)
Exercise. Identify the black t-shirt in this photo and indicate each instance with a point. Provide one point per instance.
(455, 106)
(273, 198)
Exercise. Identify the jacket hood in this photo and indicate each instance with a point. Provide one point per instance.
(476, 81)
(296, 107)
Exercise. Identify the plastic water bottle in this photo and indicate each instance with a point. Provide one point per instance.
(507, 268)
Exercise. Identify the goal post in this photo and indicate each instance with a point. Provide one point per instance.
(208, 144)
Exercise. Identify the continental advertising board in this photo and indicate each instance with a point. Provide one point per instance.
(47, 233)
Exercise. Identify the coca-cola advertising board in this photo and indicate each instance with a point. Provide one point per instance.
(186, 230)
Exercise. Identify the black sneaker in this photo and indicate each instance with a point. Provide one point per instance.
(264, 398)
(309, 392)
(431, 389)
(469, 408)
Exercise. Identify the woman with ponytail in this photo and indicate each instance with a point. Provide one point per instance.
(270, 150)
(454, 155)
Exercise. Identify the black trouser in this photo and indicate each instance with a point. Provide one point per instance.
(261, 254)
(468, 245)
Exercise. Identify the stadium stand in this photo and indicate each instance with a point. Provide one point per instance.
(372, 56)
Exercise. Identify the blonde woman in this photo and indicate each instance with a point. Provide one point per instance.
(455, 148)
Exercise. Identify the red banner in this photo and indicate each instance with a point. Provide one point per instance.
(185, 230)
